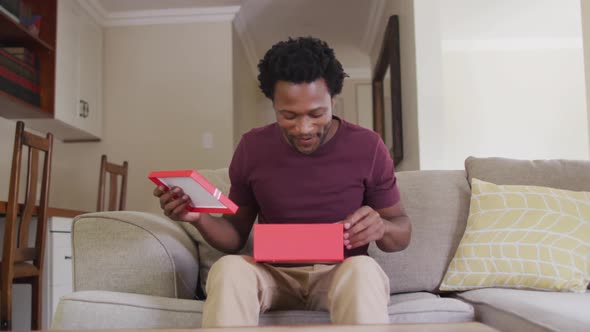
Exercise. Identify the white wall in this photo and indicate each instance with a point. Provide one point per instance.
(585, 6)
(499, 78)
(491, 78)
(513, 82)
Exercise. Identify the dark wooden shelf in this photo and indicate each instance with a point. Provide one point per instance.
(12, 107)
(15, 34)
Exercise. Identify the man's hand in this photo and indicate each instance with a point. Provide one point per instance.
(362, 227)
(174, 203)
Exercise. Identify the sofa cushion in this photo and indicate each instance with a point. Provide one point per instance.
(531, 311)
(112, 310)
(523, 237)
(437, 203)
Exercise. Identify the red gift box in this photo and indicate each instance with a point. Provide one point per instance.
(311, 243)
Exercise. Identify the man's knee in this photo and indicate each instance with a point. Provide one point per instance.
(231, 266)
(361, 265)
(360, 273)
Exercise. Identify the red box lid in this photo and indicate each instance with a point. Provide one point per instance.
(204, 196)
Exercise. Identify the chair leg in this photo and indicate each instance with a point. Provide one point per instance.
(6, 305)
(36, 304)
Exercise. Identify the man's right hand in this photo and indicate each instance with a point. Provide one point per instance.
(174, 203)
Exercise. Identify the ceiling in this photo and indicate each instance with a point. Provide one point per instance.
(344, 24)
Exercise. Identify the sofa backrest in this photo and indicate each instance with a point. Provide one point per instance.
(437, 203)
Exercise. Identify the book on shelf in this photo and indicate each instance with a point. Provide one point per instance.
(17, 90)
(23, 54)
(20, 67)
(18, 77)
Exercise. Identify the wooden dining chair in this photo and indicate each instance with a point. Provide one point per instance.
(114, 171)
(21, 263)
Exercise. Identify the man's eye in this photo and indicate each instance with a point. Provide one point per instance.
(316, 115)
(289, 116)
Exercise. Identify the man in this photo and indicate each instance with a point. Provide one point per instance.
(309, 166)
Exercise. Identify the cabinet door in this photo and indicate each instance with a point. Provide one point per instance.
(67, 77)
(58, 267)
(91, 40)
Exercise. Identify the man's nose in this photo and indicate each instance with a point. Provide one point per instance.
(304, 127)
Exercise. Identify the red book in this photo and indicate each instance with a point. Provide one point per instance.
(309, 243)
(203, 195)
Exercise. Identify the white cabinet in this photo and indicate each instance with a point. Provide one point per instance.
(57, 274)
(67, 78)
(78, 76)
(90, 106)
(78, 99)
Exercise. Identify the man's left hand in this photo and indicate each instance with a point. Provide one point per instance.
(362, 227)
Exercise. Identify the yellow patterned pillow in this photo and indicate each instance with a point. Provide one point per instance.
(523, 237)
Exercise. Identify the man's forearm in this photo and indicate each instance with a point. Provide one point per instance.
(397, 234)
(219, 233)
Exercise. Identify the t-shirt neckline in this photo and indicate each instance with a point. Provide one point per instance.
(322, 147)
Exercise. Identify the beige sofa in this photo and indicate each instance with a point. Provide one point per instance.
(138, 270)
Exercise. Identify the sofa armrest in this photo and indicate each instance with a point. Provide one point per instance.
(133, 252)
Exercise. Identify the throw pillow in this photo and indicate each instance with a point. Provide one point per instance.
(554, 173)
(523, 237)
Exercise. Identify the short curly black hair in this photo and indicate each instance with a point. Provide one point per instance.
(300, 60)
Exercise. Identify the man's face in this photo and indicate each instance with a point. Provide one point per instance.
(304, 113)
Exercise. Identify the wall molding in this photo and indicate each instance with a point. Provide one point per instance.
(161, 16)
(374, 24)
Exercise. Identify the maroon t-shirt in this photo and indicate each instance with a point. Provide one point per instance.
(352, 169)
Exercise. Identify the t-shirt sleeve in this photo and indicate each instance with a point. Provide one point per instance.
(381, 191)
(240, 191)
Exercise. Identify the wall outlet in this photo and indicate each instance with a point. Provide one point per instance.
(207, 140)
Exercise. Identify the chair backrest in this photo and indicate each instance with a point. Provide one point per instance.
(16, 234)
(114, 171)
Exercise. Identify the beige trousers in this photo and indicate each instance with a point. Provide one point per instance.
(355, 291)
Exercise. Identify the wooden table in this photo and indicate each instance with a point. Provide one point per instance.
(51, 212)
(444, 327)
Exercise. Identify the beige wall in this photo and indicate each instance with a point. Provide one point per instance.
(405, 10)
(164, 86)
(249, 101)
(347, 106)
(7, 128)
